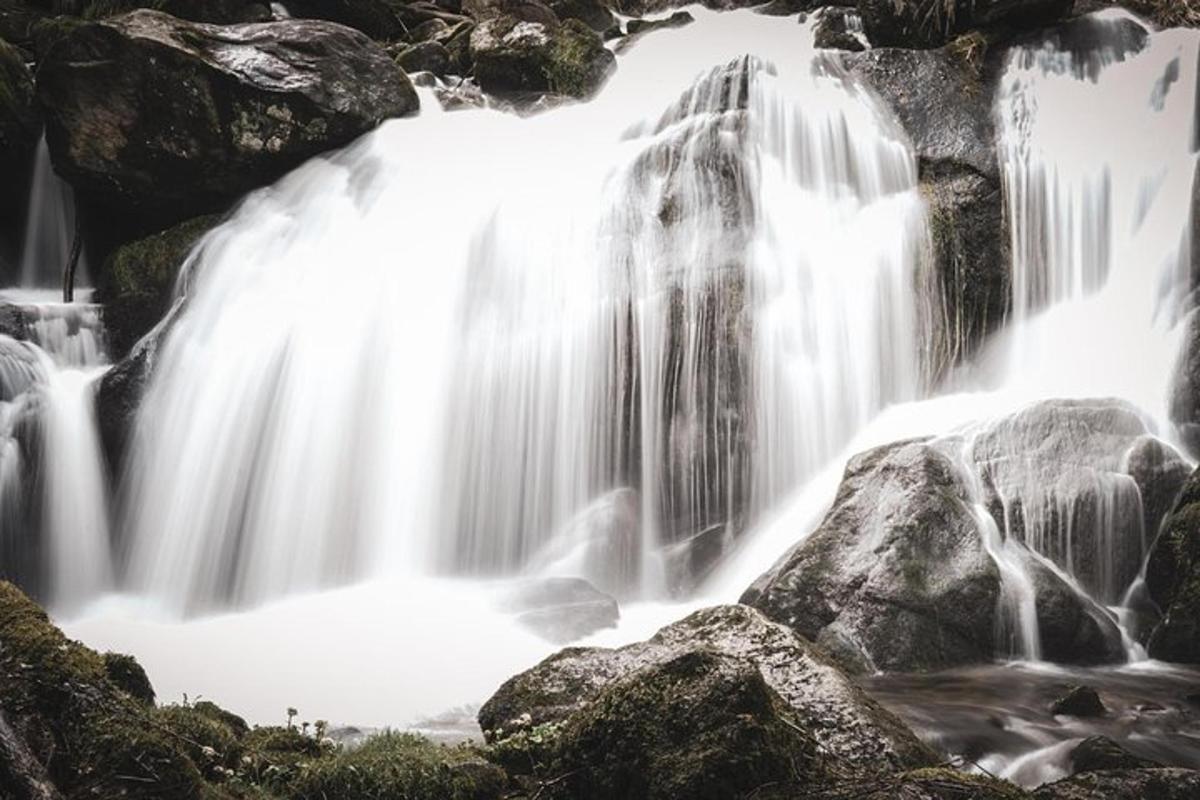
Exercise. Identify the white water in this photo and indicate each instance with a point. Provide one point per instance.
(49, 227)
(350, 364)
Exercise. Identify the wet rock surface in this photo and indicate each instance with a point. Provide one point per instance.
(844, 721)
(169, 117)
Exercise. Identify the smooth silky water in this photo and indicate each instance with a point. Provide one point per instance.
(400, 379)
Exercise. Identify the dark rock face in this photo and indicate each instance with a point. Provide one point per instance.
(219, 12)
(1079, 701)
(968, 231)
(676, 20)
(700, 725)
(19, 129)
(849, 726)
(1125, 784)
(512, 56)
(170, 118)
(1097, 753)
(563, 609)
(138, 279)
(1173, 579)
(898, 577)
(905, 23)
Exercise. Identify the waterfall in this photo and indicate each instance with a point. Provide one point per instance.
(54, 534)
(49, 227)
(1099, 233)
(683, 296)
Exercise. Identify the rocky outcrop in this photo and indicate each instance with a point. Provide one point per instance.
(1097, 753)
(512, 56)
(835, 29)
(1173, 579)
(171, 118)
(899, 576)
(943, 100)
(910, 23)
(570, 686)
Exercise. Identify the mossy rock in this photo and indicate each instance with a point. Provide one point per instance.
(91, 736)
(513, 56)
(704, 726)
(128, 676)
(138, 280)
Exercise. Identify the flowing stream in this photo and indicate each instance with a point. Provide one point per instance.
(633, 340)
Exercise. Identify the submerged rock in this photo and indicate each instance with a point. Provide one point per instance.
(562, 609)
(515, 56)
(1097, 753)
(1173, 579)
(171, 118)
(850, 727)
(1079, 701)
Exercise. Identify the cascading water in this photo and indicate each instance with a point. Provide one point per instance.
(595, 341)
(49, 227)
(357, 382)
(55, 493)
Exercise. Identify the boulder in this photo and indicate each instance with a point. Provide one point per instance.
(896, 577)
(675, 20)
(1173, 579)
(425, 56)
(1069, 478)
(512, 56)
(172, 118)
(1124, 784)
(1097, 753)
(848, 726)
(562, 610)
(700, 724)
(1079, 701)
(935, 783)
(520, 10)
(908, 23)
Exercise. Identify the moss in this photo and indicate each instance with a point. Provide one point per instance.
(100, 741)
(527, 752)
(393, 765)
(128, 676)
(138, 281)
(574, 58)
(207, 739)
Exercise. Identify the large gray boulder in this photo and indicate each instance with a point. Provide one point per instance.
(172, 117)
(848, 725)
(900, 576)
